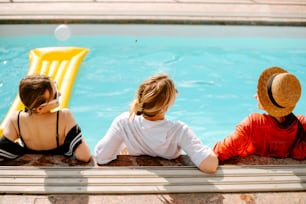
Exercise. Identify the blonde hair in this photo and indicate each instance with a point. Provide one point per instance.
(153, 96)
(32, 89)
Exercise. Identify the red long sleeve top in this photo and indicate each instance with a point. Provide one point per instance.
(262, 135)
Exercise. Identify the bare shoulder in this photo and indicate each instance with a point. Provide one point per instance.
(65, 111)
(66, 114)
(14, 115)
(66, 119)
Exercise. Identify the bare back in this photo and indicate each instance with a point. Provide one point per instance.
(38, 131)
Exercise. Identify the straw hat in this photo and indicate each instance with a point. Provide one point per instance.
(278, 91)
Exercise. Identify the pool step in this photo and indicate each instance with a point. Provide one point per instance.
(130, 180)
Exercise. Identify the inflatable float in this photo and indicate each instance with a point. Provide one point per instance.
(61, 64)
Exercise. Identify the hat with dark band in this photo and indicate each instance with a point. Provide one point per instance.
(278, 91)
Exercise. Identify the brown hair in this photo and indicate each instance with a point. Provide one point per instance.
(32, 89)
(153, 96)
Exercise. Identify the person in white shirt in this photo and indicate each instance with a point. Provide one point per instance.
(145, 131)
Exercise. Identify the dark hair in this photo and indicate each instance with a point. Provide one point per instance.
(32, 89)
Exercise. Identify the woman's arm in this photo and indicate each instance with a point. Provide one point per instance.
(82, 152)
(237, 143)
(201, 155)
(9, 148)
(79, 147)
(209, 164)
(110, 145)
(108, 148)
(10, 128)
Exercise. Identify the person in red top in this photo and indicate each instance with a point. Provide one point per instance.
(277, 134)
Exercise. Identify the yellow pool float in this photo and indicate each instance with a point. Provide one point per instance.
(61, 64)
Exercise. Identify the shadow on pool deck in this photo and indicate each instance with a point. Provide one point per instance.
(144, 179)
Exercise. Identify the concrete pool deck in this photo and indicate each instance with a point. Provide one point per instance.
(32, 168)
(250, 12)
(143, 179)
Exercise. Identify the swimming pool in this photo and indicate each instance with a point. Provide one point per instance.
(215, 69)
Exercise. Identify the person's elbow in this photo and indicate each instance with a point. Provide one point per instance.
(209, 164)
(84, 158)
(82, 153)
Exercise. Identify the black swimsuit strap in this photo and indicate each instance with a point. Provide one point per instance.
(18, 123)
(19, 132)
(57, 137)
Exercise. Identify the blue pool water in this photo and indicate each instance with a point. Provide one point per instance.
(215, 70)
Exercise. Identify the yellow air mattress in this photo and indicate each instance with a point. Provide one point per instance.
(61, 64)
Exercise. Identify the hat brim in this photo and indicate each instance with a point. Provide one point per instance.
(263, 96)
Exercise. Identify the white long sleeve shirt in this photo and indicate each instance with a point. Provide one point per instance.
(162, 138)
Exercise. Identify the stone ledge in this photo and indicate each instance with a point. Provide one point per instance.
(128, 160)
(47, 174)
(186, 12)
(143, 175)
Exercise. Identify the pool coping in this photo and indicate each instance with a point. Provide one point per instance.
(165, 30)
(55, 174)
(151, 179)
(225, 12)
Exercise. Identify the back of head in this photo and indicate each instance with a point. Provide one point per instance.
(32, 89)
(154, 95)
(278, 91)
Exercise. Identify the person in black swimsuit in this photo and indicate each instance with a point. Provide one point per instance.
(42, 128)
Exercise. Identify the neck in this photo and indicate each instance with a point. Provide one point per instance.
(156, 117)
